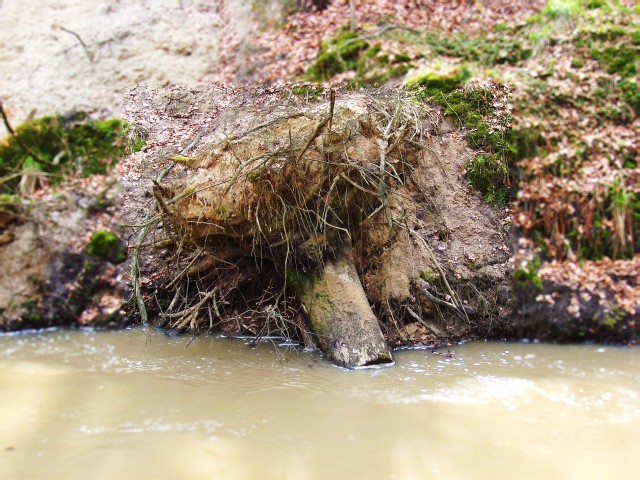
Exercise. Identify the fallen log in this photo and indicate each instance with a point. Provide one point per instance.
(345, 328)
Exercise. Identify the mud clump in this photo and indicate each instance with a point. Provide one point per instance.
(266, 188)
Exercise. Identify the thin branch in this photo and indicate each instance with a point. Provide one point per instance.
(313, 136)
(461, 313)
(457, 303)
(422, 322)
(84, 45)
(24, 147)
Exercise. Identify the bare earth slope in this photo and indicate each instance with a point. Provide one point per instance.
(47, 68)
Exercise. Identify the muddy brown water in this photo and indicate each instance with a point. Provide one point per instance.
(134, 404)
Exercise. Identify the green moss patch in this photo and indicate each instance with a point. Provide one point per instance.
(434, 84)
(506, 48)
(106, 245)
(528, 277)
(616, 46)
(60, 146)
(594, 4)
(308, 90)
(341, 53)
(488, 130)
(563, 9)
(631, 93)
(373, 66)
(346, 51)
(620, 59)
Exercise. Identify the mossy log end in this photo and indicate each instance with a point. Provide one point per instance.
(340, 317)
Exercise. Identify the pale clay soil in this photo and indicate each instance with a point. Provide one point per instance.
(46, 70)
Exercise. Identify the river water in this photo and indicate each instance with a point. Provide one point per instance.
(135, 404)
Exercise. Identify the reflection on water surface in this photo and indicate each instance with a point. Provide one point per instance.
(134, 404)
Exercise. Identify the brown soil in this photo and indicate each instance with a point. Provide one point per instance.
(23, 258)
(46, 278)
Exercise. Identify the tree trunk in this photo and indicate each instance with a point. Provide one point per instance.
(340, 317)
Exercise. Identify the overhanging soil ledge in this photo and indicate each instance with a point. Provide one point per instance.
(243, 197)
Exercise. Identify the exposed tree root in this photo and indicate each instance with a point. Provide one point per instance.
(312, 198)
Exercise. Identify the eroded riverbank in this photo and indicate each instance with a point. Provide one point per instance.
(131, 404)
